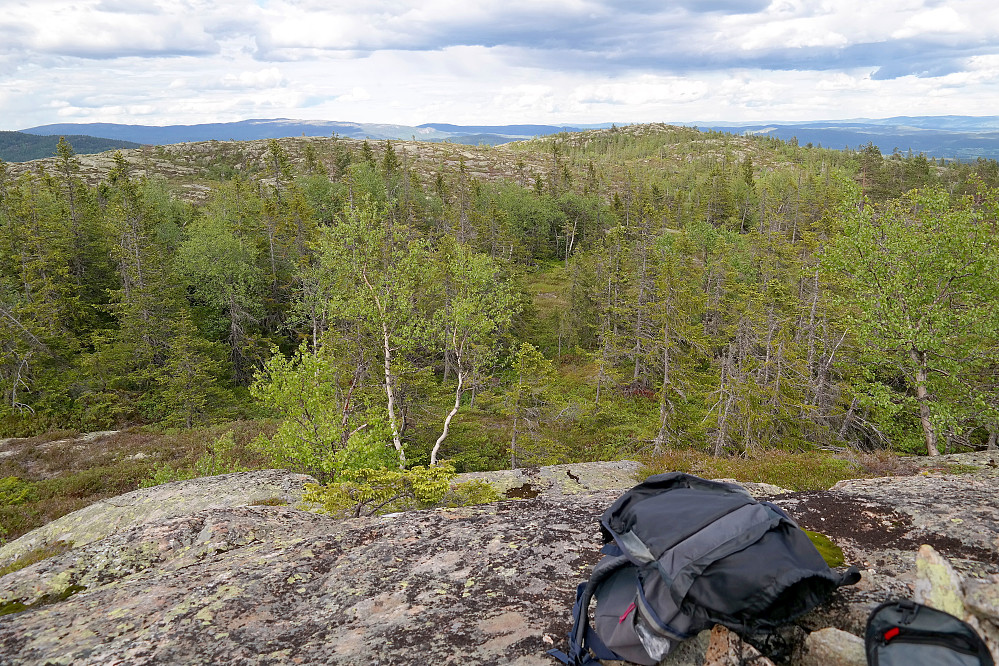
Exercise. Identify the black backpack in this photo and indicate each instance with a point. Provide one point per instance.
(905, 633)
(682, 554)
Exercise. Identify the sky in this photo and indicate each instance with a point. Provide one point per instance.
(470, 62)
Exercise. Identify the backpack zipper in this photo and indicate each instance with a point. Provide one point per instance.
(901, 635)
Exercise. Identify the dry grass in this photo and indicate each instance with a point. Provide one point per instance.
(810, 470)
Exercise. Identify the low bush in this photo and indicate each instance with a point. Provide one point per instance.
(810, 470)
(366, 492)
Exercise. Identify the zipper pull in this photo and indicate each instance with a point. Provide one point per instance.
(627, 613)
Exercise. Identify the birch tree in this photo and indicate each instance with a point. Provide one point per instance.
(375, 272)
(476, 305)
(921, 276)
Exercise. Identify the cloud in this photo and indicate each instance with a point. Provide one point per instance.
(101, 31)
(520, 61)
(260, 79)
(645, 90)
(357, 94)
(940, 20)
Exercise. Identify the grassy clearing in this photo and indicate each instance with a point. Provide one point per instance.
(798, 471)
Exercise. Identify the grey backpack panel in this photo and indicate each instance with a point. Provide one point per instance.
(905, 633)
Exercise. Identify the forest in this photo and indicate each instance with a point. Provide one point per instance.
(584, 296)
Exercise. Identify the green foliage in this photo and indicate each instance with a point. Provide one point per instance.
(219, 458)
(14, 491)
(470, 493)
(668, 275)
(830, 552)
(921, 295)
(320, 433)
(366, 492)
(813, 470)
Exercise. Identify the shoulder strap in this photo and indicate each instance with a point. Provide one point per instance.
(582, 638)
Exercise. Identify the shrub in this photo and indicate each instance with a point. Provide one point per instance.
(219, 458)
(14, 491)
(366, 492)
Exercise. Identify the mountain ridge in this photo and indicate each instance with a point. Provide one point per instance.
(950, 137)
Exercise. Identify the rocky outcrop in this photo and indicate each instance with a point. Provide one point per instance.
(492, 584)
(178, 498)
(560, 480)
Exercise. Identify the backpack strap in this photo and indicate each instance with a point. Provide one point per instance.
(582, 638)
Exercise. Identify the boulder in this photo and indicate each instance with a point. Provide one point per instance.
(833, 647)
(275, 585)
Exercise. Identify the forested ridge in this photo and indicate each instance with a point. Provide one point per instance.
(577, 297)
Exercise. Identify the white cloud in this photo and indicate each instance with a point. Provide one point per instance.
(98, 30)
(794, 33)
(935, 21)
(517, 99)
(187, 61)
(264, 78)
(356, 94)
(642, 91)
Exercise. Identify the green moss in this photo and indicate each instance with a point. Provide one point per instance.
(830, 552)
(37, 555)
(12, 607)
(270, 501)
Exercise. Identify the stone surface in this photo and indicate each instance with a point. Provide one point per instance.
(881, 523)
(177, 498)
(833, 647)
(478, 585)
(481, 585)
(982, 597)
(560, 480)
(726, 648)
(937, 584)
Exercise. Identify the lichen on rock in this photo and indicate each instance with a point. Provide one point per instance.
(473, 586)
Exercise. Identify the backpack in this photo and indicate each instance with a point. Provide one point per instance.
(683, 553)
(905, 633)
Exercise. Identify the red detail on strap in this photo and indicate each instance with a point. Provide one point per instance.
(892, 633)
(627, 613)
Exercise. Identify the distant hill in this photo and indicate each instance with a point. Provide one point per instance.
(23, 147)
(954, 137)
(247, 130)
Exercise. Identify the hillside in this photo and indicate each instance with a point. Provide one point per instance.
(23, 147)
(279, 128)
(646, 291)
(952, 137)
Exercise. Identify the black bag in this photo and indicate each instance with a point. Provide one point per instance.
(682, 554)
(905, 633)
